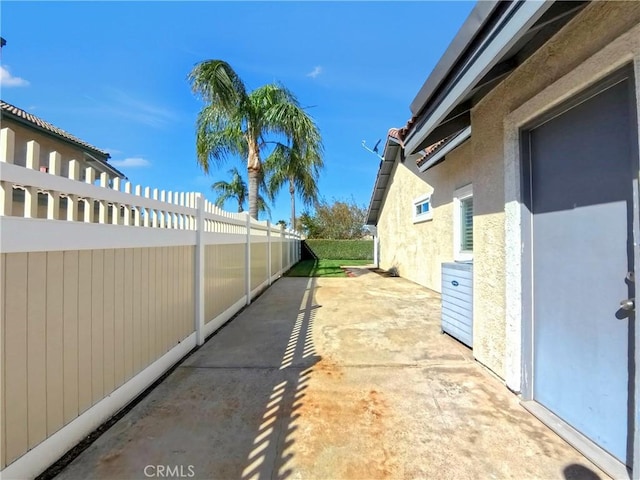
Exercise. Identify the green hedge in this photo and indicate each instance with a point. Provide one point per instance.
(341, 249)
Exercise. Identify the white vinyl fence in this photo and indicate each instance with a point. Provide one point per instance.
(103, 287)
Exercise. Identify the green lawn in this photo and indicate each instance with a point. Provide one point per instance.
(322, 268)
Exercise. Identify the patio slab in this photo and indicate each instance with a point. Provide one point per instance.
(332, 378)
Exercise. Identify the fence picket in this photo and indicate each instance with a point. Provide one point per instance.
(147, 212)
(126, 209)
(155, 213)
(30, 192)
(53, 200)
(72, 200)
(7, 154)
(90, 178)
(115, 207)
(136, 210)
(102, 205)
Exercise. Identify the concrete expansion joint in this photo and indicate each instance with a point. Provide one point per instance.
(245, 367)
(423, 364)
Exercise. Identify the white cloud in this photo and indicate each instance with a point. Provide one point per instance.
(131, 162)
(8, 80)
(315, 72)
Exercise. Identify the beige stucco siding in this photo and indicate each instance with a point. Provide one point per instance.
(47, 143)
(417, 250)
(593, 29)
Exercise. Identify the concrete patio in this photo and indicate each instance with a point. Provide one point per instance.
(341, 378)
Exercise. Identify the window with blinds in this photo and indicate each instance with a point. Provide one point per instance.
(466, 224)
(463, 224)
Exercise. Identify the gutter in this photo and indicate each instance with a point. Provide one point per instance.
(391, 148)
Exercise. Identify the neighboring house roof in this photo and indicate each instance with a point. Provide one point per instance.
(28, 119)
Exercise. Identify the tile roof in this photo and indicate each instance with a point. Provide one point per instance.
(432, 149)
(7, 108)
(394, 133)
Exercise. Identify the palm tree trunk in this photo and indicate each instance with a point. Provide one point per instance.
(254, 176)
(292, 191)
(253, 167)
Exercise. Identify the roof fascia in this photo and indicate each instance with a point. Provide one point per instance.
(458, 140)
(515, 22)
(472, 25)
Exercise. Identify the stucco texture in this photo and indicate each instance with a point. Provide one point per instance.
(417, 250)
(593, 29)
(47, 143)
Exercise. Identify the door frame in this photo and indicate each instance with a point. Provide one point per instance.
(621, 55)
(581, 441)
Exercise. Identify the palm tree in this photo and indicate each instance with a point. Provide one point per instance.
(298, 167)
(236, 189)
(235, 122)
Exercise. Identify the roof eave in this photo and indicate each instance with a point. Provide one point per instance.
(514, 22)
(474, 22)
(98, 156)
(447, 148)
(34, 126)
(390, 153)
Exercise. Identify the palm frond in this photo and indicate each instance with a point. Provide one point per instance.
(217, 137)
(235, 189)
(216, 82)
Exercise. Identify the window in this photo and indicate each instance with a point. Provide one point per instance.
(422, 209)
(463, 224)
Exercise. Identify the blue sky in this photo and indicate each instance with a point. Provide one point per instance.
(114, 75)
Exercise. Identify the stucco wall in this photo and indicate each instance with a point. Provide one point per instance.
(591, 30)
(47, 143)
(418, 249)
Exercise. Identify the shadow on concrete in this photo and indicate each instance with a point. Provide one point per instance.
(576, 471)
(287, 396)
(228, 411)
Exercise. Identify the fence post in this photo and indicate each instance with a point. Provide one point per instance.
(7, 155)
(199, 270)
(72, 200)
(31, 193)
(247, 253)
(281, 249)
(269, 251)
(90, 178)
(53, 201)
(115, 208)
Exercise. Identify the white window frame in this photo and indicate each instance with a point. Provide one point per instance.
(460, 194)
(422, 217)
